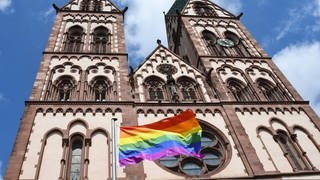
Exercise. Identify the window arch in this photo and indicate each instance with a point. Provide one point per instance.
(240, 91)
(203, 9)
(101, 88)
(270, 91)
(238, 47)
(101, 40)
(74, 39)
(85, 5)
(211, 42)
(64, 85)
(75, 159)
(291, 153)
(188, 89)
(91, 5)
(97, 5)
(155, 87)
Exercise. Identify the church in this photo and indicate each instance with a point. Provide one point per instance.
(254, 123)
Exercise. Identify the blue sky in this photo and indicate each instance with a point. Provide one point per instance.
(288, 30)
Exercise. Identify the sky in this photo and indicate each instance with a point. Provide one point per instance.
(288, 30)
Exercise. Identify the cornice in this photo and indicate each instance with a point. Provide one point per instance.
(86, 53)
(183, 104)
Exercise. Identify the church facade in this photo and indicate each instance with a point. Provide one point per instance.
(255, 124)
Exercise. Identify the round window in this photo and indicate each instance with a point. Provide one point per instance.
(215, 153)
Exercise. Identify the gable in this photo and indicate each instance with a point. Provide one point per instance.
(162, 60)
(91, 6)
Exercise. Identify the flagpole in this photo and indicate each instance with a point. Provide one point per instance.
(114, 149)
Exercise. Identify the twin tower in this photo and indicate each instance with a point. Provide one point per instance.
(255, 124)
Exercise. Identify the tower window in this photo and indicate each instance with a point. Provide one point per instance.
(270, 91)
(239, 48)
(101, 40)
(240, 91)
(97, 5)
(91, 5)
(211, 42)
(65, 87)
(74, 39)
(76, 158)
(101, 89)
(203, 9)
(85, 5)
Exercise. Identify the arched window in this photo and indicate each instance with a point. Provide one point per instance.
(238, 46)
(91, 5)
(100, 89)
(155, 87)
(85, 5)
(101, 40)
(211, 42)
(188, 89)
(270, 91)
(74, 39)
(291, 153)
(240, 91)
(97, 5)
(202, 9)
(75, 158)
(64, 87)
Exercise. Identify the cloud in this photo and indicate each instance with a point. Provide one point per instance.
(144, 24)
(317, 8)
(300, 63)
(2, 98)
(234, 6)
(296, 16)
(1, 170)
(47, 14)
(5, 6)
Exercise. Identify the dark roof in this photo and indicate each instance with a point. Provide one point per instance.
(177, 5)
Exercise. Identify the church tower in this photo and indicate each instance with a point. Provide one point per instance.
(65, 129)
(254, 123)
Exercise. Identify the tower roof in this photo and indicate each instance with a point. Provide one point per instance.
(177, 5)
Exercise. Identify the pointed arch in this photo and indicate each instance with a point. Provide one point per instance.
(240, 91)
(155, 87)
(189, 89)
(271, 91)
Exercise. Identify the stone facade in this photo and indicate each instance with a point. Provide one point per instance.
(255, 124)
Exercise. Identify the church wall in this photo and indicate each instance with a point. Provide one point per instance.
(234, 166)
(261, 126)
(46, 149)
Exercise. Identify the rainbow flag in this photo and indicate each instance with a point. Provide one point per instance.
(180, 134)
